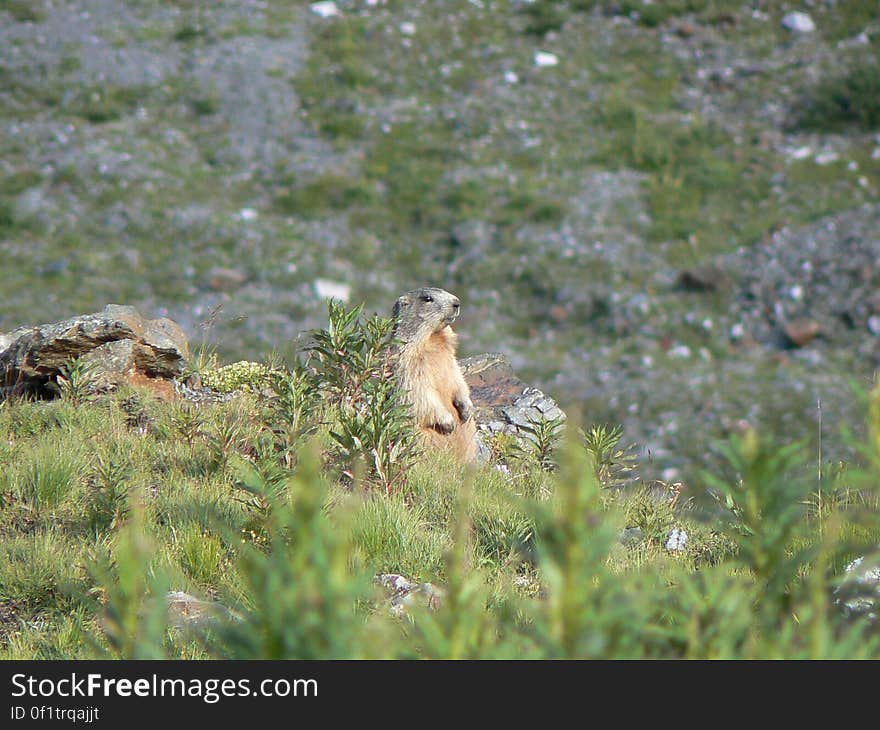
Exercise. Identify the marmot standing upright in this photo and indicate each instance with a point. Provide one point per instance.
(429, 373)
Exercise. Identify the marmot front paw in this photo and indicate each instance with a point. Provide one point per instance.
(446, 424)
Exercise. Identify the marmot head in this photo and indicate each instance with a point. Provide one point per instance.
(421, 312)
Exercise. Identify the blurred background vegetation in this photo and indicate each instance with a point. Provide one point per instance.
(561, 166)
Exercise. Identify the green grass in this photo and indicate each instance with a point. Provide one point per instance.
(23, 11)
(844, 98)
(529, 562)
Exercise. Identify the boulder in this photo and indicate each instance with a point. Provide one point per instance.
(502, 402)
(116, 344)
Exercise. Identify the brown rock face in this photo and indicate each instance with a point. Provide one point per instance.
(117, 344)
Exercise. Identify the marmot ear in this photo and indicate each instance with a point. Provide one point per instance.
(401, 302)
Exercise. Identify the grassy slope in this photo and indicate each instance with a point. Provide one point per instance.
(108, 503)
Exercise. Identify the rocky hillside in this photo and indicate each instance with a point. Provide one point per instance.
(665, 214)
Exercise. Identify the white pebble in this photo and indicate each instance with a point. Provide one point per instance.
(510, 77)
(826, 158)
(407, 28)
(325, 9)
(542, 58)
(327, 289)
(798, 22)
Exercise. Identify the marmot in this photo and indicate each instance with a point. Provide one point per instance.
(429, 374)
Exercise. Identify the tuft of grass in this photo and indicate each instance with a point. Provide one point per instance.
(390, 536)
(23, 11)
(327, 193)
(847, 98)
(101, 104)
(201, 554)
(45, 480)
(39, 572)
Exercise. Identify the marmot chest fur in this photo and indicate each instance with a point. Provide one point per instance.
(428, 370)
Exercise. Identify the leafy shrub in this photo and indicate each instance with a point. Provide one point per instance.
(373, 433)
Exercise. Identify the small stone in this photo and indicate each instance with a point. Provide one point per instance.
(826, 158)
(874, 325)
(677, 540)
(800, 153)
(670, 474)
(221, 278)
(801, 331)
(186, 611)
(325, 9)
(798, 22)
(247, 214)
(685, 29)
(632, 536)
(407, 28)
(327, 289)
(544, 59)
(510, 77)
(682, 351)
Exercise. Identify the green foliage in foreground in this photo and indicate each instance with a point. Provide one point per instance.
(109, 502)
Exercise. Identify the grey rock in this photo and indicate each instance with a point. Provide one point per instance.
(186, 611)
(798, 22)
(404, 593)
(504, 403)
(859, 592)
(117, 344)
(676, 540)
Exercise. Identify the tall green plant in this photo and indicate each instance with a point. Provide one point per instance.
(373, 432)
(589, 613)
(134, 619)
(301, 591)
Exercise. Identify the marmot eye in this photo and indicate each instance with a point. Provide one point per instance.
(427, 298)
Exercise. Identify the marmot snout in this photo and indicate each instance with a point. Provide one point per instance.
(428, 370)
